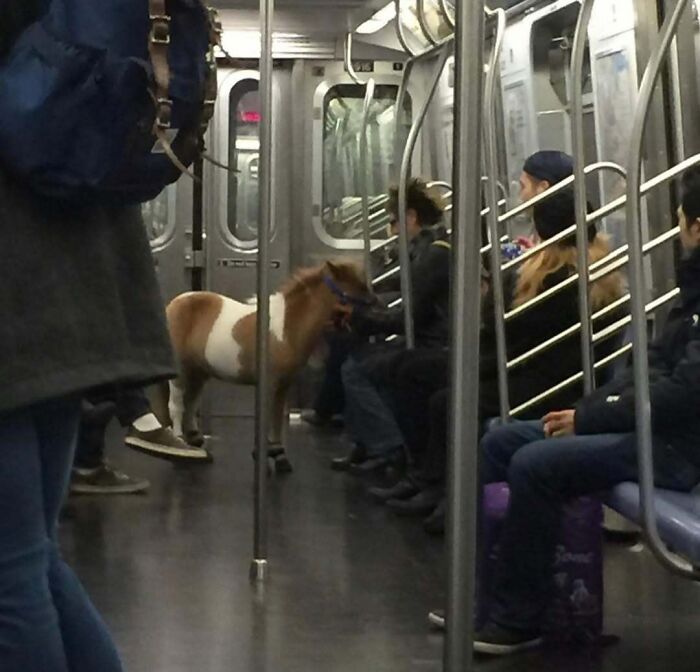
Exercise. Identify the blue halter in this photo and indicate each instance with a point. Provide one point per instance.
(343, 296)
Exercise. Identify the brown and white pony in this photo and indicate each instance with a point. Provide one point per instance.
(215, 337)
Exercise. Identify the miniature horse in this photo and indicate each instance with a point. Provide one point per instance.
(215, 337)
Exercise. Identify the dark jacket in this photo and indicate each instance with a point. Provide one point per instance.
(79, 299)
(430, 276)
(674, 364)
(526, 331)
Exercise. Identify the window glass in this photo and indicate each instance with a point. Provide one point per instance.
(342, 184)
(155, 217)
(244, 149)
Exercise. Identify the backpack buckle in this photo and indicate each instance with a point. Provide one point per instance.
(164, 108)
(160, 29)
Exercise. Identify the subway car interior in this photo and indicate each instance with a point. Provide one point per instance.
(323, 107)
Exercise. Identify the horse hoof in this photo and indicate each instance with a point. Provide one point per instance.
(283, 465)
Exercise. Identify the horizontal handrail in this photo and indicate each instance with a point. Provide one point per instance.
(559, 186)
(651, 307)
(599, 269)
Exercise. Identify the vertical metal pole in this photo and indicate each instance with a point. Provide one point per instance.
(466, 305)
(577, 145)
(365, 184)
(262, 390)
(492, 185)
(637, 293)
(398, 117)
(404, 254)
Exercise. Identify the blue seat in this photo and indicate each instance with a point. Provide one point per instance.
(677, 515)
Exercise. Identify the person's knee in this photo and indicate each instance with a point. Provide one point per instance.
(530, 466)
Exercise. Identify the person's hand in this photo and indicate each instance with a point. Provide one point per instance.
(341, 317)
(559, 423)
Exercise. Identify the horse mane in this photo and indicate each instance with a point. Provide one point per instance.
(301, 280)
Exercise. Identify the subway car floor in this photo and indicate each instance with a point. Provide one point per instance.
(350, 585)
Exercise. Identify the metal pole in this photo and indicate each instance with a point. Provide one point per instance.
(365, 185)
(404, 254)
(398, 117)
(466, 308)
(262, 391)
(637, 291)
(580, 196)
(492, 202)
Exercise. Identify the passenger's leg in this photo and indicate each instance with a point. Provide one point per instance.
(369, 422)
(92, 474)
(87, 643)
(330, 398)
(146, 433)
(416, 381)
(543, 475)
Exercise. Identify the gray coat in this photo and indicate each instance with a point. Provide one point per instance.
(79, 302)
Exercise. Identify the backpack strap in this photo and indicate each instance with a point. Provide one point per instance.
(158, 43)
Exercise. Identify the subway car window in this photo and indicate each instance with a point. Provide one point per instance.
(342, 185)
(244, 145)
(157, 218)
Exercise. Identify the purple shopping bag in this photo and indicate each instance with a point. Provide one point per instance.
(575, 613)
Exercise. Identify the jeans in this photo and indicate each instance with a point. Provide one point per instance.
(330, 398)
(47, 622)
(543, 474)
(369, 419)
(97, 412)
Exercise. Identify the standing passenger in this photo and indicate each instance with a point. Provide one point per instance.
(81, 309)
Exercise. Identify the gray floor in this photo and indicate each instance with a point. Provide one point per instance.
(350, 584)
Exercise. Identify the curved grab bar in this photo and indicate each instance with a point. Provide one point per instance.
(348, 61)
(491, 147)
(580, 195)
(364, 176)
(423, 22)
(446, 14)
(639, 334)
(404, 257)
(400, 32)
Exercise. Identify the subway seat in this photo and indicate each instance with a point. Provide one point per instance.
(677, 516)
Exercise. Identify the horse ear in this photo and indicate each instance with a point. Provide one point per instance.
(333, 269)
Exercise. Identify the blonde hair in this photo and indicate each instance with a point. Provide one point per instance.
(534, 271)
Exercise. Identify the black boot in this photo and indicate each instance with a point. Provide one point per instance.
(404, 489)
(435, 522)
(357, 455)
(422, 504)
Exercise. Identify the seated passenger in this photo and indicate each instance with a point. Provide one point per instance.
(429, 368)
(591, 448)
(424, 491)
(369, 421)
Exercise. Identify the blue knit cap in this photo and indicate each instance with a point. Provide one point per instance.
(550, 165)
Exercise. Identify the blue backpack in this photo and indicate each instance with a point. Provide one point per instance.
(107, 102)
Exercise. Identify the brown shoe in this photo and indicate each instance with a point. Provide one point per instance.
(105, 480)
(164, 444)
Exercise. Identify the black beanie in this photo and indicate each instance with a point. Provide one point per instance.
(556, 213)
(550, 165)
